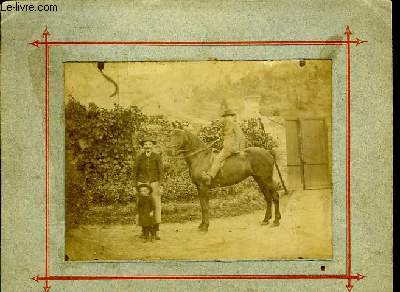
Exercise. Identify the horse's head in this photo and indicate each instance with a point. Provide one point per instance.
(177, 143)
(183, 142)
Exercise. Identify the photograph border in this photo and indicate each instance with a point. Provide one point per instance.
(347, 275)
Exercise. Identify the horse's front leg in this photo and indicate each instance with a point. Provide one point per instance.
(204, 203)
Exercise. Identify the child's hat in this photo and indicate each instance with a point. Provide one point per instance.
(144, 186)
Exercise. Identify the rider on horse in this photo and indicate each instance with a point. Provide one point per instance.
(232, 143)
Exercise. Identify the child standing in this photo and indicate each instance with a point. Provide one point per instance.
(145, 207)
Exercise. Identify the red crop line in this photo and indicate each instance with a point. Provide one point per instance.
(46, 156)
(201, 43)
(348, 158)
(199, 277)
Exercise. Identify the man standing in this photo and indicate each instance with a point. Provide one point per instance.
(233, 143)
(149, 170)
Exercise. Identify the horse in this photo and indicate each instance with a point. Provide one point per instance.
(256, 162)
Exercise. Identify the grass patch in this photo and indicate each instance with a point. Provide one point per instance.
(230, 205)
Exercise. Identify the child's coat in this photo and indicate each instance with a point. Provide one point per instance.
(145, 207)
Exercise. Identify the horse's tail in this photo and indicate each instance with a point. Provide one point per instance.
(273, 154)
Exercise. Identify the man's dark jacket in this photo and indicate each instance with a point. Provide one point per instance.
(148, 169)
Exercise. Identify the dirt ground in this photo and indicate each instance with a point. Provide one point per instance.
(305, 232)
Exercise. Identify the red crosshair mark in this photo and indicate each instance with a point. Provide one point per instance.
(348, 43)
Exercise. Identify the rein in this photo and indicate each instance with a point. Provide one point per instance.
(196, 151)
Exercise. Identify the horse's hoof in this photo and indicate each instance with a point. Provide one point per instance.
(203, 228)
(275, 224)
(265, 222)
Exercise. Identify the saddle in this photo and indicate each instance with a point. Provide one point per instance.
(215, 152)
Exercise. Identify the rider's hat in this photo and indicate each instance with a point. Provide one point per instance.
(228, 112)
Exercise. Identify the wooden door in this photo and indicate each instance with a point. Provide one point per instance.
(314, 153)
(307, 154)
(294, 163)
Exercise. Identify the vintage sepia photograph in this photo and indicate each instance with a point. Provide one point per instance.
(198, 160)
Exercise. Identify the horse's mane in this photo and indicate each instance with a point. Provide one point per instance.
(192, 141)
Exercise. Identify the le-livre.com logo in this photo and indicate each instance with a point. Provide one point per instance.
(26, 7)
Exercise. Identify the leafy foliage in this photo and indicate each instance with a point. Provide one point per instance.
(103, 148)
(256, 136)
(212, 133)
